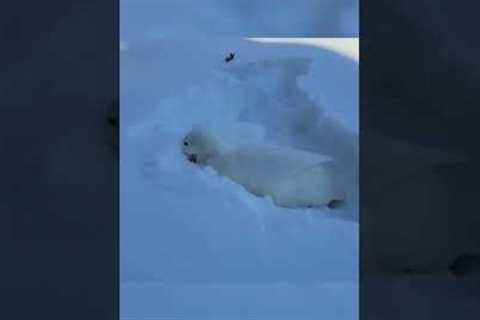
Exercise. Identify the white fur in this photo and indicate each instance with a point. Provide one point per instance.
(293, 178)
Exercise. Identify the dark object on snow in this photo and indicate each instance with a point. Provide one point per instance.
(334, 204)
(230, 57)
(465, 264)
(192, 158)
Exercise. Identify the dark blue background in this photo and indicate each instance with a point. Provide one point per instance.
(58, 167)
(419, 85)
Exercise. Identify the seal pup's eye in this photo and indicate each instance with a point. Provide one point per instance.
(185, 143)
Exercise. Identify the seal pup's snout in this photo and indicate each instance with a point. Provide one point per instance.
(192, 158)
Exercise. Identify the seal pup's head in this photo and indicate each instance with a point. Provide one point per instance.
(199, 146)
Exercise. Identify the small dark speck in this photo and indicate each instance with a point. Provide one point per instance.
(230, 57)
(465, 264)
(333, 204)
(112, 121)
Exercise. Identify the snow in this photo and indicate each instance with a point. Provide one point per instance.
(266, 18)
(240, 301)
(195, 245)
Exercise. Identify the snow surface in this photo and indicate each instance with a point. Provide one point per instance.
(239, 18)
(195, 245)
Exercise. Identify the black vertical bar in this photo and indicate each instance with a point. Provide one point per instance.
(59, 166)
(420, 244)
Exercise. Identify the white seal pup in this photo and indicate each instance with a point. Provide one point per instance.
(291, 177)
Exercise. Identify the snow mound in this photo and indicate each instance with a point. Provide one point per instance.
(185, 225)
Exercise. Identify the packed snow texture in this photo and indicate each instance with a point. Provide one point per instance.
(239, 18)
(195, 244)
